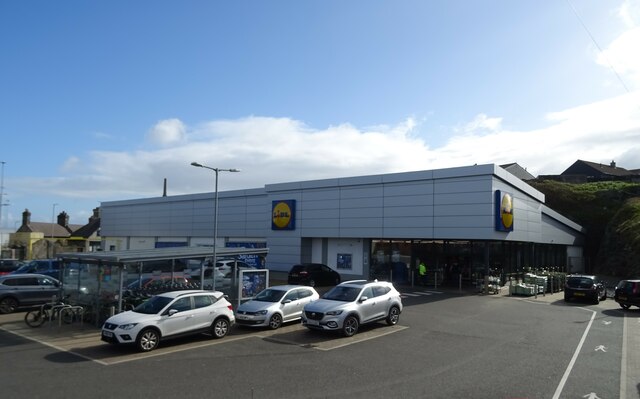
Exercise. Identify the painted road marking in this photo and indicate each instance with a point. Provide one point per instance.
(567, 372)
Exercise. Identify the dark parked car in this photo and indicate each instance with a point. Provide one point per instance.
(9, 266)
(584, 287)
(313, 274)
(19, 290)
(627, 293)
(48, 267)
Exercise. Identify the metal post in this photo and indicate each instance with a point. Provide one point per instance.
(53, 215)
(215, 220)
(215, 232)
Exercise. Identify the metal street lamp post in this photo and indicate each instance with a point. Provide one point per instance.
(53, 215)
(215, 222)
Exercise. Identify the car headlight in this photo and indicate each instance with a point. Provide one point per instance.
(261, 313)
(334, 312)
(128, 326)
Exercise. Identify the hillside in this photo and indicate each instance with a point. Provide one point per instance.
(610, 211)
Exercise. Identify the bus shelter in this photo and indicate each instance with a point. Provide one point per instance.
(99, 280)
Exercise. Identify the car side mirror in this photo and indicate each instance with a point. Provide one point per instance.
(286, 301)
(171, 312)
(363, 298)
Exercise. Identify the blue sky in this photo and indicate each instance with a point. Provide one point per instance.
(103, 100)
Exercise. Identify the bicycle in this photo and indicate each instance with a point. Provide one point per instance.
(49, 312)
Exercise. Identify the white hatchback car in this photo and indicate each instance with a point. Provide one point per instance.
(275, 305)
(170, 315)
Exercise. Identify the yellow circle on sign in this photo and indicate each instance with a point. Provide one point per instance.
(281, 215)
(506, 211)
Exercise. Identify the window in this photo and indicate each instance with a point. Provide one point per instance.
(293, 295)
(27, 281)
(305, 293)
(182, 304)
(46, 281)
(380, 290)
(368, 292)
(202, 301)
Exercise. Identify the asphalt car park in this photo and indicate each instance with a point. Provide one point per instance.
(84, 340)
(481, 346)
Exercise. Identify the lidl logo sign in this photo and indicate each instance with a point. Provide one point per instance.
(504, 211)
(283, 215)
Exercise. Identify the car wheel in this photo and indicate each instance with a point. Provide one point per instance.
(597, 299)
(393, 316)
(8, 305)
(312, 283)
(350, 326)
(220, 327)
(625, 306)
(566, 298)
(148, 340)
(275, 321)
(337, 281)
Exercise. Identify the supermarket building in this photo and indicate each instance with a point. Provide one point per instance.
(460, 221)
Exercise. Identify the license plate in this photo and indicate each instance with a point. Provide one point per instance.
(622, 298)
(242, 317)
(313, 322)
(107, 334)
(579, 294)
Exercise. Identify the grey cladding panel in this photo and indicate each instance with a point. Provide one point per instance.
(375, 202)
(408, 201)
(361, 192)
(408, 189)
(405, 211)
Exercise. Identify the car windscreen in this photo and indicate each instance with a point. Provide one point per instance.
(345, 294)
(270, 295)
(153, 305)
(24, 269)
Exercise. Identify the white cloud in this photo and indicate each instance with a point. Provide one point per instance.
(622, 53)
(70, 164)
(167, 132)
(273, 150)
(629, 12)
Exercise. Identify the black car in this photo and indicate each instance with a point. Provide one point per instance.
(585, 287)
(627, 293)
(313, 274)
(9, 266)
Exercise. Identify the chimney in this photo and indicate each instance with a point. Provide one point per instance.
(96, 214)
(613, 164)
(63, 219)
(26, 217)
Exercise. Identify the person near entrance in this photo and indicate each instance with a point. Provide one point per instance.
(422, 272)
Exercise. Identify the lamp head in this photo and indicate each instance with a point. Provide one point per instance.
(196, 164)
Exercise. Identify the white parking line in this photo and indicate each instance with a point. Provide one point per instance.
(623, 360)
(567, 372)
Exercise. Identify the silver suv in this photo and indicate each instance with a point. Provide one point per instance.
(352, 303)
(19, 290)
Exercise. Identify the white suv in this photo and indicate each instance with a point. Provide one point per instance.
(169, 315)
(352, 303)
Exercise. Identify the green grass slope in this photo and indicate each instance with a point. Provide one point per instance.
(610, 211)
